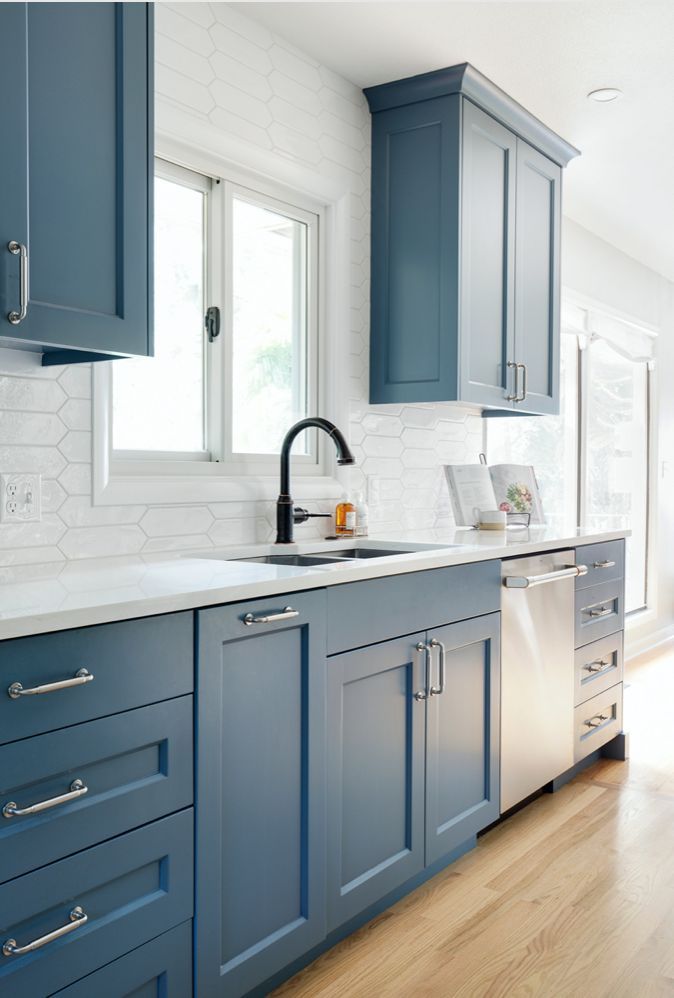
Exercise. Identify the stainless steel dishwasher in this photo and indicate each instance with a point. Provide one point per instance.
(537, 653)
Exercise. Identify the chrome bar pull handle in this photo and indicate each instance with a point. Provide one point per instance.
(77, 789)
(81, 677)
(270, 618)
(523, 396)
(603, 611)
(516, 397)
(18, 249)
(598, 665)
(77, 917)
(597, 720)
(603, 564)
(528, 581)
(426, 649)
(437, 690)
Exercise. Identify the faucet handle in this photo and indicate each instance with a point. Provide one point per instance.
(301, 515)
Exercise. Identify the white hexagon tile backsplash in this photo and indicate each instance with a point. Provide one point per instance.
(221, 66)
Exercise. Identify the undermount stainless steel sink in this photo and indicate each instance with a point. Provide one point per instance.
(322, 557)
(295, 560)
(349, 553)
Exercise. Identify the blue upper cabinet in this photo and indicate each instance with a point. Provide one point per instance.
(76, 178)
(466, 189)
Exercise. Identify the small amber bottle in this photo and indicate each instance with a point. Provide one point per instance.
(345, 518)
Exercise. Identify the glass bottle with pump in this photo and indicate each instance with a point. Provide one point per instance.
(345, 518)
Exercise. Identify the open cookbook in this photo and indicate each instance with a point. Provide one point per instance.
(510, 487)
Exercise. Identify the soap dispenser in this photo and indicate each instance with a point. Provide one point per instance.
(345, 518)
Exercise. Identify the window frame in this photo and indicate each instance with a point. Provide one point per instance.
(201, 147)
(581, 312)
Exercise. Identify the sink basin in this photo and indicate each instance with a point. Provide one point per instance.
(295, 560)
(366, 553)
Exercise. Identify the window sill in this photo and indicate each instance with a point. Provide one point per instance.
(120, 490)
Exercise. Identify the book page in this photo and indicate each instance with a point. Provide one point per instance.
(470, 488)
(516, 490)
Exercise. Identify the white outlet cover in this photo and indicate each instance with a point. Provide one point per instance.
(20, 497)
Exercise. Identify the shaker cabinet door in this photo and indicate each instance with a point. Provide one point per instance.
(537, 344)
(375, 773)
(77, 125)
(260, 790)
(462, 734)
(486, 338)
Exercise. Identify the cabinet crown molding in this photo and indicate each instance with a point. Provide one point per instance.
(464, 79)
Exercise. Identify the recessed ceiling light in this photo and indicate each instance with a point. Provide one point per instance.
(605, 94)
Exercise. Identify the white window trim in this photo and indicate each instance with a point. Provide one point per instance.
(201, 147)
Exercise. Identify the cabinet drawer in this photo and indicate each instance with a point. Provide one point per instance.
(597, 721)
(599, 611)
(136, 766)
(364, 613)
(133, 663)
(598, 667)
(161, 968)
(605, 563)
(129, 890)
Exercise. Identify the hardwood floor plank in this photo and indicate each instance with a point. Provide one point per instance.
(572, 897)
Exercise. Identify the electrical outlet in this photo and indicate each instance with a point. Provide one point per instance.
(20, 498)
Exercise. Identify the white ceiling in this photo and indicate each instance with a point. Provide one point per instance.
(547, 54)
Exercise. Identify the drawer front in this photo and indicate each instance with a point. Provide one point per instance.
(597, 721)
(364, 613)
(598, 667)
(133, 662)
(135, 766)
(130, 890)
(599, 611)
(161, 968)
(605, 563)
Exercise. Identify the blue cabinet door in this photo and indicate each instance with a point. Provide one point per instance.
(76, 175)
(375, 773)
(260, 790)
(462, 734)
(487, 311)
(415, 212)
(537, 267)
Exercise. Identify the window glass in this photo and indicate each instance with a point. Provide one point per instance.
(617, 457)
(158, 402)
(269, 327)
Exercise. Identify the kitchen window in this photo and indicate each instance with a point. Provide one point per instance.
(593, 462)
(224, 393)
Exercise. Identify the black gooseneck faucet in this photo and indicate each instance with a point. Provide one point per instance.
(286, 513)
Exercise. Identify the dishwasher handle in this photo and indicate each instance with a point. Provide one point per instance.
(528, 581)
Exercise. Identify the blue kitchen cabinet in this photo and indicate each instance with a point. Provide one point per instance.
(413, 757)
(463, 734)
(466, 188)
(260, 789)
(76, 179)
(376, 730)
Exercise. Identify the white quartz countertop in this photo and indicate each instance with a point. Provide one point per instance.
(104, 590)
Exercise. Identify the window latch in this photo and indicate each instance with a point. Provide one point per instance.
(212, 322)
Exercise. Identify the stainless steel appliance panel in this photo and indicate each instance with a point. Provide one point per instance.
(537, 673)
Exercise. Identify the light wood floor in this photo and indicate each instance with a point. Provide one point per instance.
(573, 896)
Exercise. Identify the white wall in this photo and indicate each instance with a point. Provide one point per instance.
(225, 69)
(599, 271)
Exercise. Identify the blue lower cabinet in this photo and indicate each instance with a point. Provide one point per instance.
(161, 968)
(66, 920)
(462, 734)
(260, 790)
(375, 774)
(70, 789)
